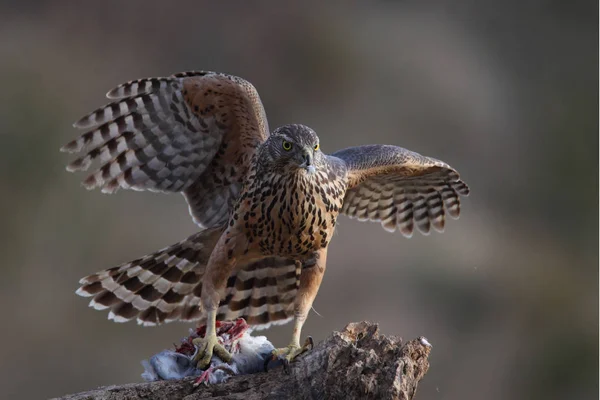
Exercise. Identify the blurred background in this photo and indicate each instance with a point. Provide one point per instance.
(506, 92)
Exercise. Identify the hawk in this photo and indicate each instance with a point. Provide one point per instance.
(266, 203)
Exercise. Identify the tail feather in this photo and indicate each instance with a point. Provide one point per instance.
(166, 286)
(151, 287)
(262, 292)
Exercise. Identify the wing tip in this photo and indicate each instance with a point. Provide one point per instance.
(454, 212)
(80, 164)
(90, 182)
(113, 94)
(83, 122)
(388, 227)
(74, 146)
(425, 231)
(439, 225)
(462, 188)
(406, 233)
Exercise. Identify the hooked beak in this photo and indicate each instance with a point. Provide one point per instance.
(308, 164)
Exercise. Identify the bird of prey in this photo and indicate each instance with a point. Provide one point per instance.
(266, 203)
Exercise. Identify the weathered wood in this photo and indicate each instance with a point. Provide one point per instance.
(357, 363)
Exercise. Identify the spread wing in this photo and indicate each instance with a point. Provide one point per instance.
(193, 132)
(400, 188)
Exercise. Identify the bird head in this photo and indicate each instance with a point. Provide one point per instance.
(292, 148)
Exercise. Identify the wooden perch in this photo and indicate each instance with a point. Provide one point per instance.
(357, 363)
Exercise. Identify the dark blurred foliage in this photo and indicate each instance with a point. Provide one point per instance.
(506, 92)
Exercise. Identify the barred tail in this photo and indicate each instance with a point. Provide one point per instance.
(166, 286)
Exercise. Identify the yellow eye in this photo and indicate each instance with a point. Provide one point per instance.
(287, 146)
(317, 147)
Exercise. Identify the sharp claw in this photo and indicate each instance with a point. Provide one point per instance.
(286, 366)
(308, 343)
(198, 359)
(204, 362)
(288, 354)
(223, 354)
(200, 349)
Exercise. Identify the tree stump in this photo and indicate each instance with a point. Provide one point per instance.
(357, 363)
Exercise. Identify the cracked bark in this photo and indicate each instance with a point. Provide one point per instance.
(357, 363)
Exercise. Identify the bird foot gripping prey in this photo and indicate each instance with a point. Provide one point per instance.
(289, 353)
(222, 343)
(206, 347)
(249, 356)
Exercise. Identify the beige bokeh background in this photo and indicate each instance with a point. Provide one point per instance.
(506, 92)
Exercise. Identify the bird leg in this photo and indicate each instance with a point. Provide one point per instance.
(310, 280)
(209, 343)
(219, 267)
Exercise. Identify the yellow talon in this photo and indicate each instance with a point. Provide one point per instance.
(206, 347)
(289, 353)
